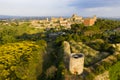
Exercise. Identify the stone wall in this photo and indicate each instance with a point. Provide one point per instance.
(67, 52)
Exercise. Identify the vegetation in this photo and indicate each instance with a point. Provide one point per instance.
(27, 53)
(21, 60)
(114, 72)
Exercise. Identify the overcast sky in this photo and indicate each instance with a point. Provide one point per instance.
(106, 8)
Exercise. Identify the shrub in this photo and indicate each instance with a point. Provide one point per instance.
(21, 60)
(114, 72)
(50, 73)
(106, 65)
(89, 76)
(99, 69)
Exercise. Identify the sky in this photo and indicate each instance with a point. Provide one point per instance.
(101, 8)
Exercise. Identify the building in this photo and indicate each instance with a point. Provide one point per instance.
(56, 19)
(64, 22)
(76, 18)
(89, 21)
(76, 64)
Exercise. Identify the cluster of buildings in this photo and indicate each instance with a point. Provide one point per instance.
(63, 22)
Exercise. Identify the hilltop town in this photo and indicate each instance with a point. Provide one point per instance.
(66, 22)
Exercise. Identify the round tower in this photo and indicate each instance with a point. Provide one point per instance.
(76, 64)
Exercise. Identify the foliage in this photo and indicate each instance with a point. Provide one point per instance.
(76, 27)
(10, 34)
(21, 60)
(102, 46)
(114, 72)
(111, 66)
(99, 69)
(114, 38)
(89, 76)
(106, 65)
(50, 73)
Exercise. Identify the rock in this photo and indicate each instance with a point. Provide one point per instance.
(104, 76)
(117, 46)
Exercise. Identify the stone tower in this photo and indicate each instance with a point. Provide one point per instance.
(95, 18)
(76, 64)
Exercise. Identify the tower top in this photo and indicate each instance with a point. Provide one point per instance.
(74, 15)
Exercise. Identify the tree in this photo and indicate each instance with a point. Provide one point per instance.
(77, 27)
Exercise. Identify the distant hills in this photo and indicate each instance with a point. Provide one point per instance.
(21, 17)
(2, 17)
(8, 17)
